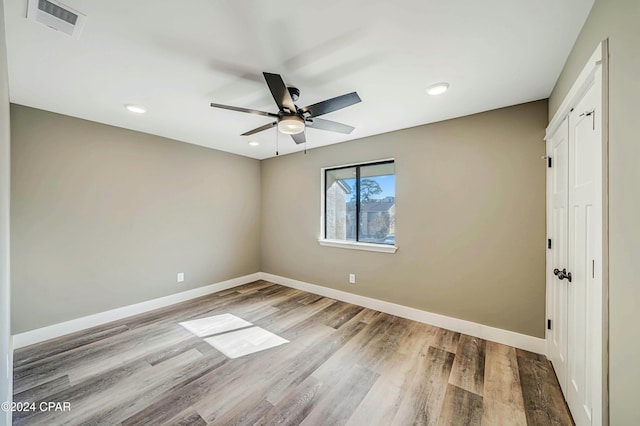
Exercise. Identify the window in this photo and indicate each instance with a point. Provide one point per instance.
(359, 204)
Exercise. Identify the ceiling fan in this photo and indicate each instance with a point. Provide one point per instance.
(293, 120)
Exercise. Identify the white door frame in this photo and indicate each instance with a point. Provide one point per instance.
(595, 68)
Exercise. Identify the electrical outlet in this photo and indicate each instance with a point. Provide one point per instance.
(180, 277)
(352, 278)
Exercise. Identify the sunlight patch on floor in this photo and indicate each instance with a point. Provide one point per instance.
(216, 324)
(233, 336)
(244, 342)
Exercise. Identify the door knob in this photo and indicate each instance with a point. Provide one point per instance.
(562, 274)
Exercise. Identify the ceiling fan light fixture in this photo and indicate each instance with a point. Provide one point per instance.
(254, 143)
(438, 88)
(291, 125)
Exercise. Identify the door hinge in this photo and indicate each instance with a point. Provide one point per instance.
(548, 324)
(549, 162)
(591, 114)
(548, 243)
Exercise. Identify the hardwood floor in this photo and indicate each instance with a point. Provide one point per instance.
(343, 365)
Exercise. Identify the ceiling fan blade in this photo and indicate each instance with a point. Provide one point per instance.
(332, 104)
(332, 126)
(259, 129)
(279, 91)
(239, 109)
(299, 138)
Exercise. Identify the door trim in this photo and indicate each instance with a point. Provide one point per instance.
(586, 76)
(599, 60)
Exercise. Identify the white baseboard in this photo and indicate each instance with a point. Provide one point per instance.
(56, 330)
(506, 337)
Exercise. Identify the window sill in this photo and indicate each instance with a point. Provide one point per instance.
(380, 248)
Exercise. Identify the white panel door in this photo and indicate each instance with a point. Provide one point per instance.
(576, 223)
(558, 188)
(584, 245)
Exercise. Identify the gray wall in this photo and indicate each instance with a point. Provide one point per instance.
(5, 332)
(618, 20)
(470, 219)
(104, 217)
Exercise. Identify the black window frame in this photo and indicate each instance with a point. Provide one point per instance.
(357, 167)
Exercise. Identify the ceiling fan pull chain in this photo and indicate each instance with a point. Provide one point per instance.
(277, 141)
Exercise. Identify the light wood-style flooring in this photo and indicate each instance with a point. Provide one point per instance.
(344, 365)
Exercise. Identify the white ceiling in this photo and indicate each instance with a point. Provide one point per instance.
(177, 57)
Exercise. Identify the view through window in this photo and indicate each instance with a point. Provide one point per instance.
(360, 203)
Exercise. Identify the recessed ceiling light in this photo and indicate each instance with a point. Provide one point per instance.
(138, 109)
(254, 143)
(438, 88)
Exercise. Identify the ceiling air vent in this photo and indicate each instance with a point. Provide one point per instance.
(56, 15)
